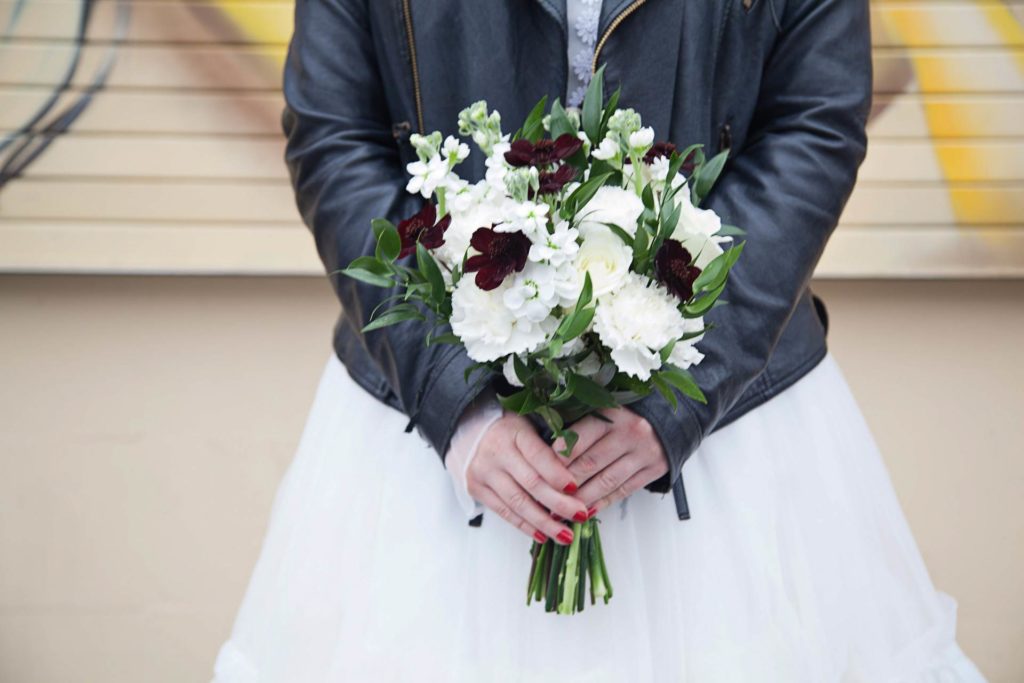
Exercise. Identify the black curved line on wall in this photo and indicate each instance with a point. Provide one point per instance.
(34, 142)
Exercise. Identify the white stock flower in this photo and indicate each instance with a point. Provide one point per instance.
(609, 151)
(487, 327)
(454, 151)
(530, 218)
(426, 176)
(659, 168)
(636, 321)
(606, 257)
(641, 140)
(497, 167)
(532, 293)
(556, 248)
(612, 205)
(697, 230)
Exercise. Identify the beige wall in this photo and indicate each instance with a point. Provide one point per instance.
(145, 422)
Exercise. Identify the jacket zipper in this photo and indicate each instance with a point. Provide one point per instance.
(614, 25)
(407, 14)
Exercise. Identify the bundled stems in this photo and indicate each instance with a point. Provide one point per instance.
(559, 574)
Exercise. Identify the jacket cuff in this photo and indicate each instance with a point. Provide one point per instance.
(446, 398)
(679, 432)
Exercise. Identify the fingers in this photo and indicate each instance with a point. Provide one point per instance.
(590, 430)
(515, 503)
(622, 478)
(600, 455)
(542, 458)
(530, 479)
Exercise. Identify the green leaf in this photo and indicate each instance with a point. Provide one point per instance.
(641, 246)
(560, 123)
(576, 323)
(704, 304)
(571, 438)
(667, 351)
(593, 107)
(708, 174)
(367, 276)
(389, 244)
(379, 225)
(428, 266)
(590, 392)
(371, 264)
(677, 159)
(715, 273)
(648, 197)
(623, 235)
(665, 390)
(394, 315)
(447, 338)
(583, 194)
(684, 382)
(731, 231)
(533, 128)
(613, 103)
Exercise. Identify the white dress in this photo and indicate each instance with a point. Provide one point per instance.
(797, 565)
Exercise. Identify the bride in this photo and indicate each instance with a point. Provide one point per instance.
(785, 559)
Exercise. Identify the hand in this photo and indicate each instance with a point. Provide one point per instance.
(613, 459)
(521, 478)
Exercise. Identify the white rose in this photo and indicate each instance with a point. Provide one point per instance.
(606, 257)
(635, 322)
(487, 327)
(612, 205)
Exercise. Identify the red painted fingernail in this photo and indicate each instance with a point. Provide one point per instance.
(541, 538)
(565, 536)
(571, 488)
(555, 516)
(579, 517)
(591, 511)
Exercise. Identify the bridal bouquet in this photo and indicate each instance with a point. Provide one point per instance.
(579, 269)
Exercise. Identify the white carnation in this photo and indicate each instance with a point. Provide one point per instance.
(469, 213)
(635, 322)
(487, 327)
(612, 205)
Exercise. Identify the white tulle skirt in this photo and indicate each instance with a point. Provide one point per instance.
(797, 566)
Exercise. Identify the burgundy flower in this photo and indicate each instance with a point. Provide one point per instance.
(660, 149)
(673, 266)
(501, 254)
(421, 228)
(543, 152)
(552, 182)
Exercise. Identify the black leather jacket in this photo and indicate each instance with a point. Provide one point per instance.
(785, 84)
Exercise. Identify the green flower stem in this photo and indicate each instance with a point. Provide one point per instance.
(571, 572)
(638, 182)
(599, 552)
(440, 202)
(598, 587)
(554, 577)
(584, 566)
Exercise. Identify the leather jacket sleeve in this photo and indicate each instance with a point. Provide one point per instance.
(346, 169)
(786, 187)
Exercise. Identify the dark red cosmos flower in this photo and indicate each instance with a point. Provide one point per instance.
(553, 182)
(544, 152)
(666, 149)
(501, 254)
(421, 228)
(674, 268)
(659, 149)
